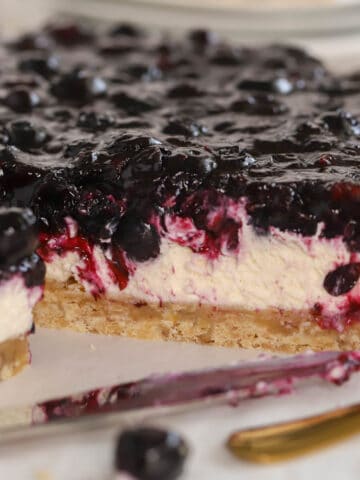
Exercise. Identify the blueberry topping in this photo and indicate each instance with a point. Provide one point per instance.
(53, 200)
(44, 66)
(144, 72)
(30, 268)
(61, 115)
(185, 128)
(184, 91)
(342, 279)
(150, 454)
(139, 239)
(352, 236)
(324, 160)
(130, 145)
(227, 56)
(18, 236)
(126, 127)
(278, 85)
(79, 87)
(200, 164)
(259, 105)
(115, 48)
(94, 122)
(21, 100)
(97, 214)
(31, 41)
(203, 38)
(132, 105)
(70, 35)
(342, 123)
(125, 30)
(78, 147)
(26, 135)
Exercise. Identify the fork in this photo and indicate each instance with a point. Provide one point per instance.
(283, 441)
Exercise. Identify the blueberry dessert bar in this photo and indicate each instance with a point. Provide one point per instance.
(22, 275)
(186, 189)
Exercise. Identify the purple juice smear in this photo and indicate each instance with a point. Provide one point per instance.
(274, 376)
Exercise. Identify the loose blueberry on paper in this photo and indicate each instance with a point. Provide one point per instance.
(148, 453)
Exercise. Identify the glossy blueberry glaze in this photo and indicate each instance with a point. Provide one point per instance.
(18, 242)
(117, 127)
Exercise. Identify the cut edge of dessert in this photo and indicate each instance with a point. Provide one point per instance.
(187, 190)
(188, 287)
(21, 287)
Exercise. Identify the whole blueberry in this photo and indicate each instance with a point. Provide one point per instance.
(342, 123)
(52, 200)
(273, 85)
(342, 279)
(18, 238)
(78, 86)
(26, 135)
(202, 38)
(184, 127)
(31, 41)
(144, 72)
(44, 66)
(78, 147)
(184, 90)
(93, 121)
(139, 239)
(200, 165)
(132, 105)
(227, 56)
(259, 104)
(96, 213)
(150, 453)
(21, 100)
(33, 270)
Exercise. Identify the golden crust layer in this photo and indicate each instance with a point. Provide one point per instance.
(69, 306)
(14, 356)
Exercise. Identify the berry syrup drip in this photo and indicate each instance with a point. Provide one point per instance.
(62, 244)
(273, 376)
(214, 229)
(119, 268)
(51, 245)
(348, 314)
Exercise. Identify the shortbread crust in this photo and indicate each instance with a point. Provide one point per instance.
(69, 306)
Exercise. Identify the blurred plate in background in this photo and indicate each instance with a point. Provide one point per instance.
(328, 28)
(255, 19)
(255, 4)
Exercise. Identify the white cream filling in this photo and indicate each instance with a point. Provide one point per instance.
(280, 270)
(16, 304)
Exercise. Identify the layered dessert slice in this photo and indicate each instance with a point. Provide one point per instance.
(186, 189)
(21, 287)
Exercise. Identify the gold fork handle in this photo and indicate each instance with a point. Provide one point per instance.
(291, 439)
